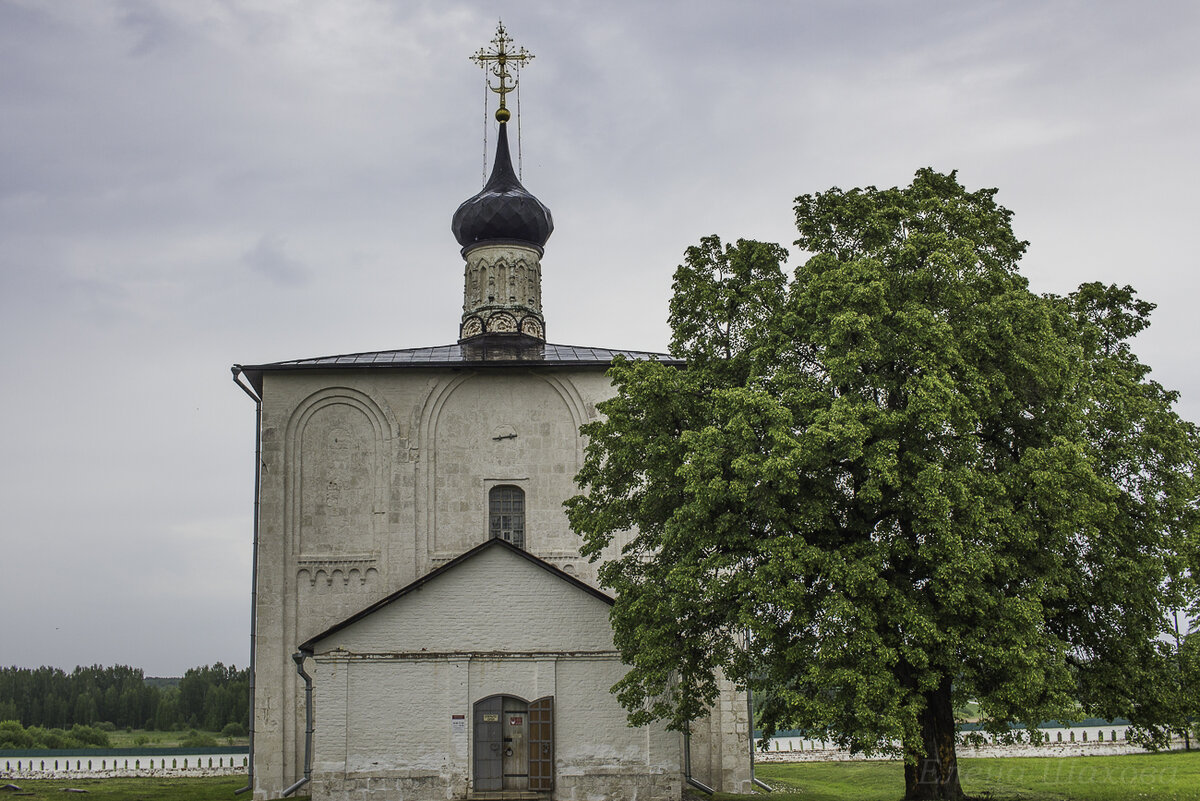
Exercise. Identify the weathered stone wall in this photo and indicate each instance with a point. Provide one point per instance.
(337, 786)
(389, 686)
(351, 491)
(494, 601)
(371, 479)
(720, 743)
(398, 784)
(620, 784)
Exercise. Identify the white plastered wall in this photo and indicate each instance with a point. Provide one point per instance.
(421, 448)
(388, 687)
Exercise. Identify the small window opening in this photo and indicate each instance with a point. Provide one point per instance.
(506, 508)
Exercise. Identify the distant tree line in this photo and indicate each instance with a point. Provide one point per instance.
(209, 698)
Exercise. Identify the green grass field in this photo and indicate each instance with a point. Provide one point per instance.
(163, 739)
(1169, 777)
(1155, 777)
(219, 788)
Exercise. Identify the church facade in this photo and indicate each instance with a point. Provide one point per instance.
(424, 626)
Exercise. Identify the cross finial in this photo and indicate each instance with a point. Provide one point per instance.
(496, 60)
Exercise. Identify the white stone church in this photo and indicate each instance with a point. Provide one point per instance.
(424, 627)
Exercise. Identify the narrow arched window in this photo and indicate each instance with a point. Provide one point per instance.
(506, 509)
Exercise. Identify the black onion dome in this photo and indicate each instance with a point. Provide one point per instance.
(503, 209)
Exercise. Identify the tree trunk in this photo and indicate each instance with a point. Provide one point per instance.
(935, 773)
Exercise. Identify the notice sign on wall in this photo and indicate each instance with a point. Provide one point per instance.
(458, 724)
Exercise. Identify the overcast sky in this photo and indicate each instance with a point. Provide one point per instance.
(188, 184)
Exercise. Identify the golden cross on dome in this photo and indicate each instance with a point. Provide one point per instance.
(496, 60)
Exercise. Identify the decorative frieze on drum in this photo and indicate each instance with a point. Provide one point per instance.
(502, 291)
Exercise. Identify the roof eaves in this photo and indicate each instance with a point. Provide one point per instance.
(452, 356)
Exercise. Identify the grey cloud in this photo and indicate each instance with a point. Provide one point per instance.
(269, 259)
(152, 28)
(168, 167)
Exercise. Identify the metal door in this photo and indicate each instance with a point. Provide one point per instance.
(488, 752)
(541, 744)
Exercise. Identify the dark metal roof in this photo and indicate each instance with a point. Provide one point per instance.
(486, 351)
(308, 645)
(503, 210)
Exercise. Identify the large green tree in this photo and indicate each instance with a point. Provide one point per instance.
(892, 481)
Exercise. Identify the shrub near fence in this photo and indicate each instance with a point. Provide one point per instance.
(111, 762)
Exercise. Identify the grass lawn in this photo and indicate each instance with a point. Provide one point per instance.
(1169, 777)
(163, 739)
(1156, 777)
(217, 788)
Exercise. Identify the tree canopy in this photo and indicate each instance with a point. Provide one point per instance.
(121, 696)
(891, 481)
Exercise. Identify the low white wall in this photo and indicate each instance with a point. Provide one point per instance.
(1066, 741)
(52, 766)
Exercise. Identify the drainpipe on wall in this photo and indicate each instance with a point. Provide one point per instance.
(750, 716)
(298, 658)
(687, 764)
(237, 379)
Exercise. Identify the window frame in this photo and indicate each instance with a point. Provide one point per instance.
(507, 496)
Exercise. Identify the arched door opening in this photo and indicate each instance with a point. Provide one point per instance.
(513, 746)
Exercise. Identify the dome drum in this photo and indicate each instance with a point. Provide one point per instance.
(502, 290)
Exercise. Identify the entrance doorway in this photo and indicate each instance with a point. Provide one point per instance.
(514, 744)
